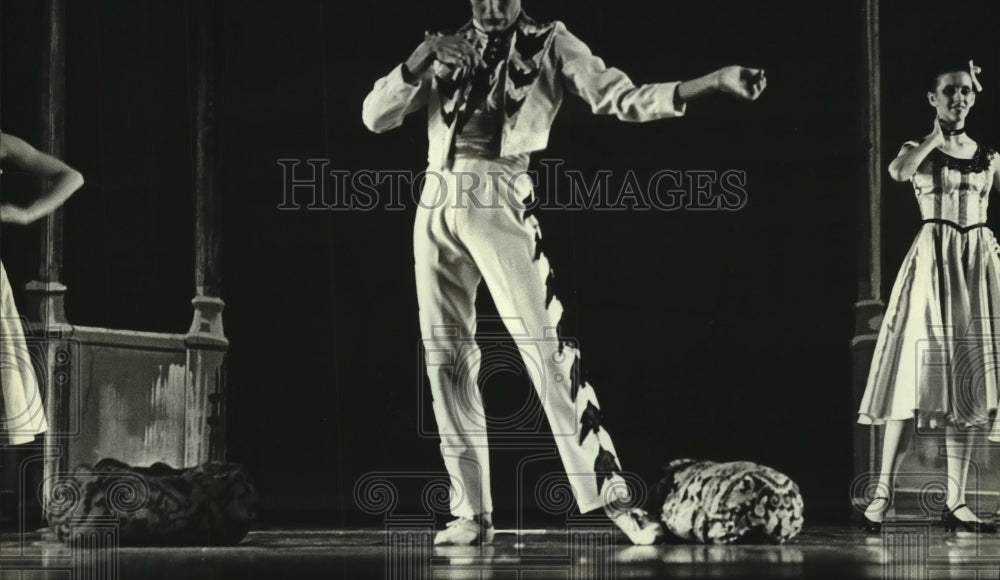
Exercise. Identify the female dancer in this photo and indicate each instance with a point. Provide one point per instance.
(22, 415)
(936, 358)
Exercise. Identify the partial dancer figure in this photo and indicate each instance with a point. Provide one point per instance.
(492, 89)
(22, 413)
(936, 358)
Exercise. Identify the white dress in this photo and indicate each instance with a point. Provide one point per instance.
(937, 358)
(22, 412)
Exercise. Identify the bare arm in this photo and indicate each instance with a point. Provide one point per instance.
(996, 172)
(62, 179)
(742, 82)
(909, 159)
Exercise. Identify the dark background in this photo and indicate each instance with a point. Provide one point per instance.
(716, 335)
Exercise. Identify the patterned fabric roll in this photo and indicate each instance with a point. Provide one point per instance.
(723, 503)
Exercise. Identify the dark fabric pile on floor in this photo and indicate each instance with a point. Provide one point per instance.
(210, 505)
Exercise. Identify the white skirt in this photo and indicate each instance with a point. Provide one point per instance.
(937, 358)
(22, 412)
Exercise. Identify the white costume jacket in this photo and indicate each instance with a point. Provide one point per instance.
(544, 62)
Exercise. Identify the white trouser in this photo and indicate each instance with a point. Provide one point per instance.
(471, 226)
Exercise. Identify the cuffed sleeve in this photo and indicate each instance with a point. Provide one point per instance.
(391, 100)
(609, 91)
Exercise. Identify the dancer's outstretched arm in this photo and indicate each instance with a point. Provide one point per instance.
(609, 91)
(738, 81)
(63, 180)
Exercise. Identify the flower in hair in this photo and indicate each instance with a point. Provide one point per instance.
(973, 71)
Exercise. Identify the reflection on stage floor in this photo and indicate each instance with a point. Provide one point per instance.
(913, 550)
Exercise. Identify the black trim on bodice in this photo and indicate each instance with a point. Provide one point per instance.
(978, 163)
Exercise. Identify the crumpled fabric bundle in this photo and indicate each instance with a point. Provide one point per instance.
(723, 503)
(210, 505)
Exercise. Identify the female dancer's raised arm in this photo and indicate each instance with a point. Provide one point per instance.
(64, 180)
(909, 159)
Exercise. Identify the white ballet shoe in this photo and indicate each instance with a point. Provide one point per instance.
(465, 532)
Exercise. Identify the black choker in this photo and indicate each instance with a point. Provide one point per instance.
(952, 132)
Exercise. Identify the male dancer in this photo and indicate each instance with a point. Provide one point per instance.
(492, 90)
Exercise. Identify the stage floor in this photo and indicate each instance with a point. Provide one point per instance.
(917, 551)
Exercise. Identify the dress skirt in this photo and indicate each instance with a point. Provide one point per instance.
(937, 358)
(22, 413)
